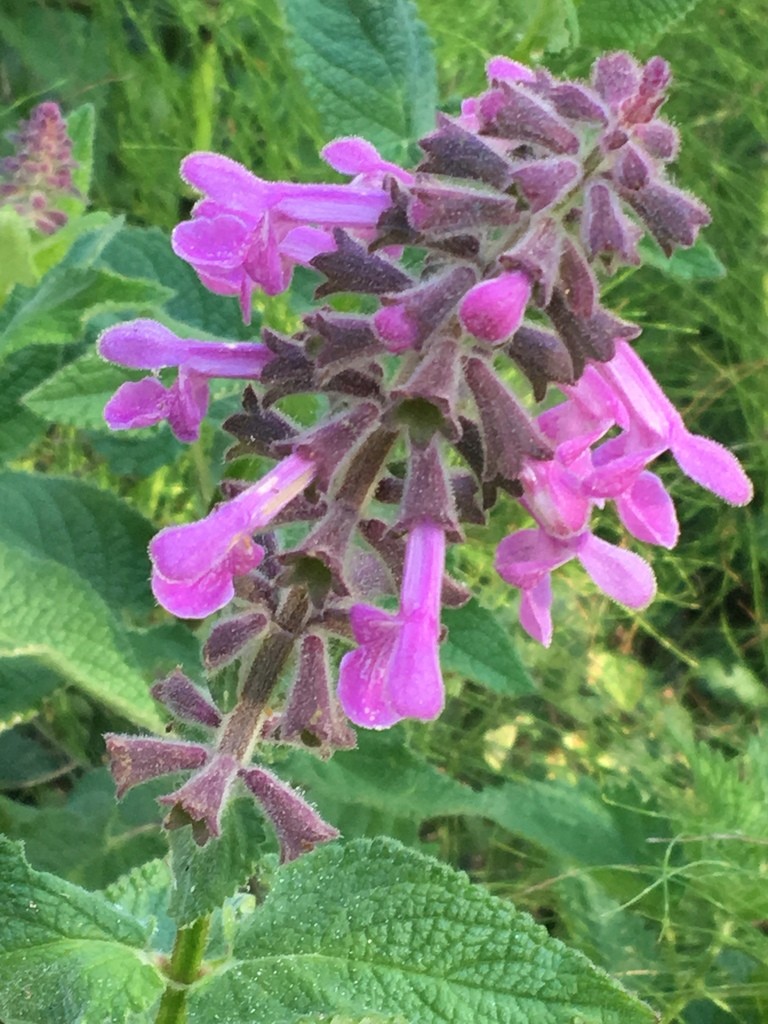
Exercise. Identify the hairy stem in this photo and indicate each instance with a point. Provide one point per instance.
(239, 732)
(184, 966)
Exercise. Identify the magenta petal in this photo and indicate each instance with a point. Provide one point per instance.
(142, 344)
(353, 155)
(395, 328)
(303, 244)
(648, 512)
(504, 69)
(536, 611)
(612, 477)
(140, 403)
(363, 691)
(217, 242)
(197, 599)
(622, 575)
(712, 466)
(225, 181)
(415, 681)
(188, 405)
(553, 497)
(524, 557)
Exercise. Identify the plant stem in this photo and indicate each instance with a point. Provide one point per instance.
(240, 730)
(185, 963)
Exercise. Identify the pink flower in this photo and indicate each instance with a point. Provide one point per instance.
(147, 345)
(354, 155)
(526, 559)
(395, 672)
(247, 233)
(654, 425)
(194, 565)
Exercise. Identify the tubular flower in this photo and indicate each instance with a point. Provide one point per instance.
(147, 345)
(395, 671)
(193, 566)
(248, 233)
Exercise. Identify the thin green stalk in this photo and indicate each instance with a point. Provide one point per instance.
(185, 963)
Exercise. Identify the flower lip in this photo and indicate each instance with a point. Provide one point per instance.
(395, 671)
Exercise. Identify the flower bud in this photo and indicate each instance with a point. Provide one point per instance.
(492, 310)
(185, 701)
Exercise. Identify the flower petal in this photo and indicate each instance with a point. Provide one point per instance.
(648, 512)
(712, 466)
(622, 575)
(140, 403)
(536, 611)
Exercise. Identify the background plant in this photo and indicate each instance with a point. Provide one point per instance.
(621, 798)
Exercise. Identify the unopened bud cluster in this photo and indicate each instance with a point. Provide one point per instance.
(520, 203)
(39, 173)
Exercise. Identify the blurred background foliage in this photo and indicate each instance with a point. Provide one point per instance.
(623, 802)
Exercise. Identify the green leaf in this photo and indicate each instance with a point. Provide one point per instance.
(372, 788)
(26, 761)
(19, 374)
(479, 649)
(81, 128)
(24, 684)
(368, 68)
(90, 531)
(49, 612)
(604, 24)
(570, 822)
(77, 394)
(698, 263)
(206, 876)
(17, 265)
(66, 300)
(52, 249)
(375, 928)
(143, 893)
(89, 838)
(67, 956)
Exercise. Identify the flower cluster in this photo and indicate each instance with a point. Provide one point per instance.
(39, 173)
(520, 203)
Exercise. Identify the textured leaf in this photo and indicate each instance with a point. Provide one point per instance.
(699, 263)
(24, 683)
(17, 265)
(479, 649)
(89, 839)
(26, 761)
(49, 612)
(21, 372)
(143, 893)
(67, 956)
(64, 302)
(375, 928)
(205, 876)
(77, 394)
(81, 128)
(137, 453)
(90, 531)
(368, 68)
(52, 250)
(605, 24)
